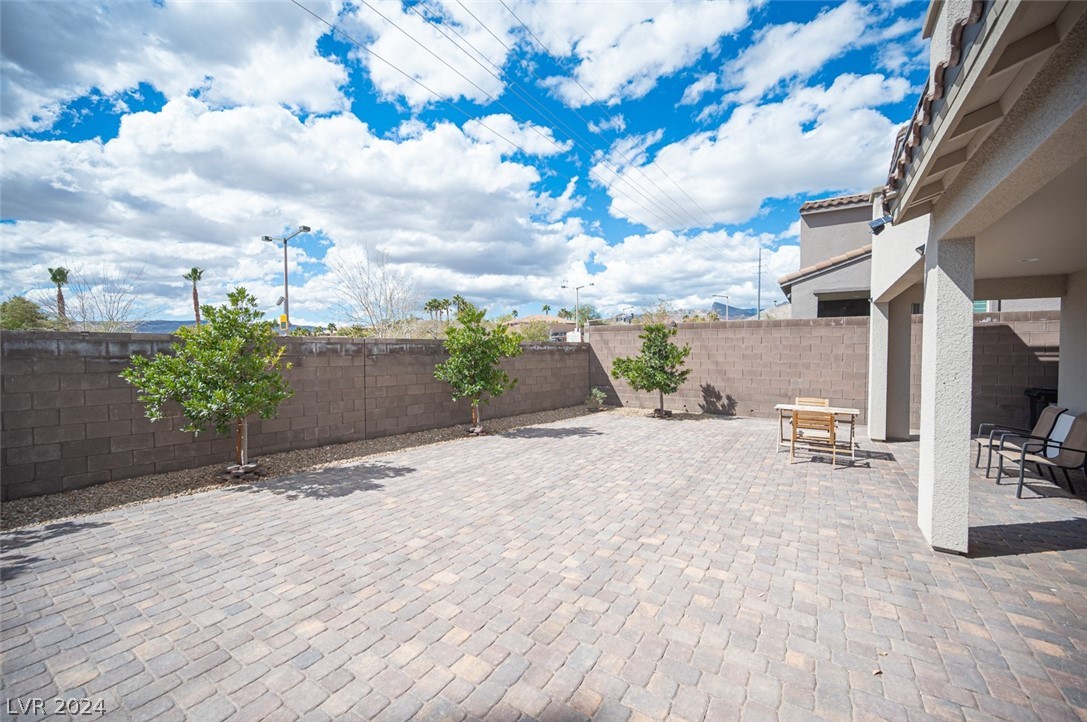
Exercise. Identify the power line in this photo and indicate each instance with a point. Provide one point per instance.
(413, 79)
(619, 178)
(611, 119)
(539, 107)
(505, 107)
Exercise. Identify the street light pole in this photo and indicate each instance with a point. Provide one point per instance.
(726, 304)
(286, 289)
(577, 306)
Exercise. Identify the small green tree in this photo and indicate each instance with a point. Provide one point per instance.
(220, 373)
(474, 352)
(20, 313)
(546, 309)
(658, 366)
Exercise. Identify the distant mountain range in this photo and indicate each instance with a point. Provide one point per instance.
(161, 326)
(733, 313)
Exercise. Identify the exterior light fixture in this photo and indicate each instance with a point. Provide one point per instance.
(920, 250)
(879, 224)
(286, 317)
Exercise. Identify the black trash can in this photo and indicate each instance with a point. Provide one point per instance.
(1039, 399)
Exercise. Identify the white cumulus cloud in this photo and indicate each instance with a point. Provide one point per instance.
(233, 53)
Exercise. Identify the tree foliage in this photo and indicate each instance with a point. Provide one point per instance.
(220, 373)
(59, 277)
(20, 313)
(474, 353)
(194, 275)
(536, 331)
(659, 367)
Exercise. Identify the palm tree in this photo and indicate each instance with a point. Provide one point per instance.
(194, 275)
(565, 313)
(546, 309)
(514, 313)
(59, 276)
(459, 301)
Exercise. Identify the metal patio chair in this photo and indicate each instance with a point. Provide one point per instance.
(1047, 421)
(1069, 454)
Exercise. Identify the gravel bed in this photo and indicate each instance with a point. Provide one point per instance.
(142, 489)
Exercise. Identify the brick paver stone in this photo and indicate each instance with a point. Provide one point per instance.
(612, 567)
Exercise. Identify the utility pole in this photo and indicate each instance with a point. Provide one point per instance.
(758, 310)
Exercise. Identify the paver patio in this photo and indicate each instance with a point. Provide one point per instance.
(607, 566)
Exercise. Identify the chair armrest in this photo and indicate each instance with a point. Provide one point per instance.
(998, 429)
(1032, 448)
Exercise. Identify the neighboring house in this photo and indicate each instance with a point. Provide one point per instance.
(835, 259)
(986, 201)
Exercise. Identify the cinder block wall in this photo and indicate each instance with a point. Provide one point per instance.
(70, 421)
(747, 367)
(1013, 351)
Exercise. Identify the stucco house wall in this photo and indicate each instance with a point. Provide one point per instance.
(849, 277)
(828, 233)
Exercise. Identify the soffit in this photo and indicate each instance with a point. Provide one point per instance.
(1011, 45)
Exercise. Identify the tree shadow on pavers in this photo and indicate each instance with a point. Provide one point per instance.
(331, 482)
(716, 403)
(13, 565)
(1001, 540)
(540, 432)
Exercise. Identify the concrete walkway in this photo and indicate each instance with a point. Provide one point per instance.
(607, 566)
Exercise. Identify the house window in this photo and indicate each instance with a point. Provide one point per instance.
(834, 308)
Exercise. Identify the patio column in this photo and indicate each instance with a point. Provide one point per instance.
(947, 360)
(878, 371)
(898, 367)
(889, 370)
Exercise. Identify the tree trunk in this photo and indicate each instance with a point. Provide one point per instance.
(196, 303)
(661, 409)
(60, 304)
(475, 414)
(241, 445)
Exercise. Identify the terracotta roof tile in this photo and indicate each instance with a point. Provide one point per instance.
(791, 278)
(850, 200)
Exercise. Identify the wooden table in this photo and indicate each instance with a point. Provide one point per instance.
(835, 410)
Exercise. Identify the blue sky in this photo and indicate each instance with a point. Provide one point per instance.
(504, 150)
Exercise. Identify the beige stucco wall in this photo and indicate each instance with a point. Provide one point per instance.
(829, 233)
(806, 302)
(1072, 380)
(896, 265)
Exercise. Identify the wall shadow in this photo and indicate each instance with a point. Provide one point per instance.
(1001, 540)
(330, 482)
(13, 565)
(536, 432)
(714, 402)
